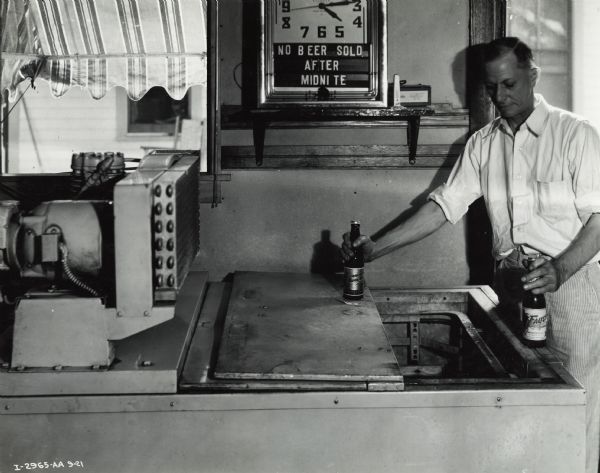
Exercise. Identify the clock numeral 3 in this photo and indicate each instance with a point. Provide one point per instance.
(357, 6)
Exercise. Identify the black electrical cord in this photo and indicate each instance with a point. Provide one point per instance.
(31, 84)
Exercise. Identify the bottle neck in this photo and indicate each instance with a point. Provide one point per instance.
(354, 231)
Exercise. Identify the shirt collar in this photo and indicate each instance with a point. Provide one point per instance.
(535, 122)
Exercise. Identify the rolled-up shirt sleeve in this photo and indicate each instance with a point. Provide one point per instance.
(584, 165)
(463, 185)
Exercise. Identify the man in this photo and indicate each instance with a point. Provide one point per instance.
(538, 169)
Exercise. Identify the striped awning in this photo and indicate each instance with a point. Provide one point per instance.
(100, 44)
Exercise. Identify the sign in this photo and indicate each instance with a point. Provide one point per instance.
(323, 53)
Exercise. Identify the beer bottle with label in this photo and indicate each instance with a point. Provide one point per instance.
(535, 316)
(354, 268)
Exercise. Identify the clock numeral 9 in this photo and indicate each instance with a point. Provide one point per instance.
(285, 6)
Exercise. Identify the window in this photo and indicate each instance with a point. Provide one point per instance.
(545, 26)
(157, 112)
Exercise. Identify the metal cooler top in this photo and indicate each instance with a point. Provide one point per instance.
(296, 326)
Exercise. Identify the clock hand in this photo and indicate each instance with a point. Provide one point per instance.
(331, 4)
(335, 4)
(331, 12)
(305, 8)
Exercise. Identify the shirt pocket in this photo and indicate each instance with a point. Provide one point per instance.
(555, 198)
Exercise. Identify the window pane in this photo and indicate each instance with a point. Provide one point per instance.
(156, 112)
(554, 27)
(553, 87)
(522, 20)
(544, 26)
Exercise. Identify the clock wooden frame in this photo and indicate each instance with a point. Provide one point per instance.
(356, 74)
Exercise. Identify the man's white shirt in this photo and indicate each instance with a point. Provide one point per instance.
(540, 185)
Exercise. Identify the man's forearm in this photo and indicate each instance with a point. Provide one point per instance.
(581, 250)
(427, 220)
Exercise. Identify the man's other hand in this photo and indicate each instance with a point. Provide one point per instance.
(543, 276)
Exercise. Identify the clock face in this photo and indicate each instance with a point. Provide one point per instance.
(314, 21)
(323, 52)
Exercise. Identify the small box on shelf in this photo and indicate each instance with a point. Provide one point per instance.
(409, 95)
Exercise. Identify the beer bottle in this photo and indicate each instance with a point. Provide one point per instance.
(354, 281)
(535, 316)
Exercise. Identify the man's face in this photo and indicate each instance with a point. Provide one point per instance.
(510, 87)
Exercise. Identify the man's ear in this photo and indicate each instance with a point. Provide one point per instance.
(534, 75)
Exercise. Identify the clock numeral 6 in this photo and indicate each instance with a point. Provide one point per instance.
(285, 6)
(321, 30)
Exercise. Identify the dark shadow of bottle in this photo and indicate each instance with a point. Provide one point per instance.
(326, 258)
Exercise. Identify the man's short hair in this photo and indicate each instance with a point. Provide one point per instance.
(500, 46)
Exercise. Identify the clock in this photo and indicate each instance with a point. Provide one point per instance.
(322, 53)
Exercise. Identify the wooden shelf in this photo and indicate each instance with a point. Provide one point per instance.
(260, 119)
(234, 117)
(341, 157)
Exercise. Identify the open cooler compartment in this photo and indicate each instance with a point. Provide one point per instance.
(458, 337)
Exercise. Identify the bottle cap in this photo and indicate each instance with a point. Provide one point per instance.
(529, 259)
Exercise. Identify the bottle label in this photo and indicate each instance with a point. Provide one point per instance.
(353, 281)
(535, 321)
